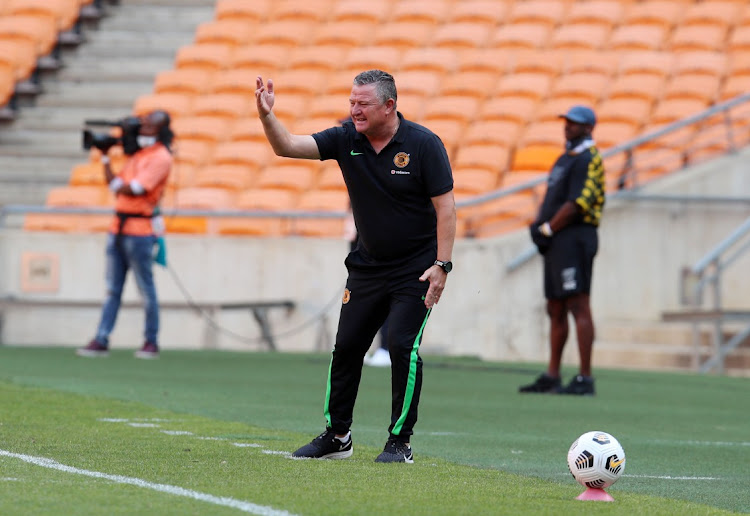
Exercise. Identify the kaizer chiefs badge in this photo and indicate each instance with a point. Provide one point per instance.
(347, 296)
(401, 159)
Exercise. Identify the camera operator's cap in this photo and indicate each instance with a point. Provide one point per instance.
(580, 115)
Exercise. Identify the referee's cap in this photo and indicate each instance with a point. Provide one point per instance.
(580, 115)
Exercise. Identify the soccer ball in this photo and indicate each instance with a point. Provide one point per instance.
(596, 460)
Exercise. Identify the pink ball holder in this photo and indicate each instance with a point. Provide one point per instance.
(595, 495)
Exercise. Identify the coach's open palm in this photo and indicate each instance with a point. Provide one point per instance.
(264, 97)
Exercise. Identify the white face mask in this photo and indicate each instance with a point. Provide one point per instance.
(145, 141)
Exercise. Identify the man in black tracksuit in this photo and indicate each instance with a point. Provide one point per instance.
(565, 232)
(400, 185)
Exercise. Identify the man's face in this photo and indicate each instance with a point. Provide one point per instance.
(367, 113)
(150, 125)
(574, 130)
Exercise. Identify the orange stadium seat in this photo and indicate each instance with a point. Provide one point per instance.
(65, 222)
(638, 37)
(360, 59)
(229, 32)
(632, 111)
(403, 35)
(455, 107)
(734, 86)
(698, 37)
(316, 58)
(359, 11)
(182, 175)
(551, 109)
(312, 125)
(258, 200)
(263, 60)
(580, 88)
(301, 10)
(549, 132)
(431, 12)
(268, 199)
(470, 84)
(342, 34)
(636, 86)
(331, 107)
(330, 177)
(579, 36)
(538, 158)
(461, 35)
(300, 82)
(210, 57)
(229, 106)
(449, 131)
(176, 104)
(247, 153)
(520, 177)
(184, 81)
(603, 62)
(284, 33)
(608, 134)
(642, 62)
(292, 107)
(486, 12)
(20, 55)
(249, 12)
(739, 41)
(413, 107)
(607, 13)
(535, 86)
(79, 196)
(196, 198)
(548, 62)
(519, 109)
(63, 12)
(474, 181)
(7, 84)
(192, 152)
(417, 84)
(739, 64)
(230, 177)
(503, 215)
(503, 133)
(237, 82)
(204, 128)
(40, 31)
(87, 174)
(440, 60)
(547, 12)
(488, 157)
(295, 177)
(520, 35)
(339, 83)
(663, 14)
(325, 201)
(692, 86)
(721, 14)
(247, 129)
(713, 64)
(671, 110)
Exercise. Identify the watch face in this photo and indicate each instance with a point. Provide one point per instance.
(448, 266)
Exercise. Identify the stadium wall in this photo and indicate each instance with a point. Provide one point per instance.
(485, 311)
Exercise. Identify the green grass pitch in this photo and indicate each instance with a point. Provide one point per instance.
(211, 432)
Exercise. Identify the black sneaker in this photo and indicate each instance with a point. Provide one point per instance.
(579, 385)
(326, 446)
(544, 383)
(93, 349)
(396, 451)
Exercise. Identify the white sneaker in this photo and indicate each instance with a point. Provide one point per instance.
(381, 358)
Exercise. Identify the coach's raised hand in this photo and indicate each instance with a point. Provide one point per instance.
(264, 96)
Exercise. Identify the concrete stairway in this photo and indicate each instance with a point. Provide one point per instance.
(100, 78)
(661, 346)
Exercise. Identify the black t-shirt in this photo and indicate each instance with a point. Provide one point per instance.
(391, 192)
(578, 178)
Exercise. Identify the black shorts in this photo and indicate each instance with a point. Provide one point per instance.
(569, 261)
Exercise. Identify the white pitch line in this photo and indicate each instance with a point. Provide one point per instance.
(225, 501)
(668, 477)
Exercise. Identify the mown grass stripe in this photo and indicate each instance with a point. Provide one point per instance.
(249, 507)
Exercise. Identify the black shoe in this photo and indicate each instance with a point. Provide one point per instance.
(396, 451)
(579, 385)
(93, 349)
(326, 446)
(544, 383)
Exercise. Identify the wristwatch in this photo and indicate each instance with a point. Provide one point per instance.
(446, 266)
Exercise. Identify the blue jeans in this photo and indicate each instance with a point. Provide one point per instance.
(134, 252)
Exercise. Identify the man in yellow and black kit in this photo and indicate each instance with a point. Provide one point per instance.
(565, 233)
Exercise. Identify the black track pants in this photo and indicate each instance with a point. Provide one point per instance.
(367, 303)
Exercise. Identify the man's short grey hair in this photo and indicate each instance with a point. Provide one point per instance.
(385, 84)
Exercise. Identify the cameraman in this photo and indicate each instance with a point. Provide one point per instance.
(130, 243)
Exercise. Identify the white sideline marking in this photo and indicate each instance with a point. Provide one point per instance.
(144, 425)
(225, 501)
(247, 445)
(669, 477)
(176, 432)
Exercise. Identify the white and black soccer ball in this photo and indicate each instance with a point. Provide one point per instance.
(596, 459)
